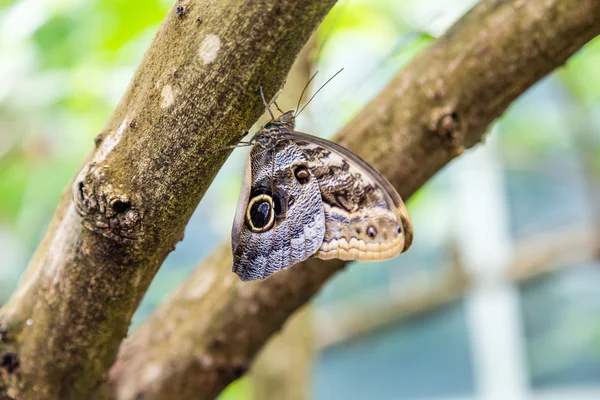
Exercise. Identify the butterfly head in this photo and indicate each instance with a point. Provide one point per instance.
(286, 122)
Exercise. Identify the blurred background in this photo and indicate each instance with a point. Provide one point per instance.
(498, 297)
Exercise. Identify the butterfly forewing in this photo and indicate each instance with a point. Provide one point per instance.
(280, 219)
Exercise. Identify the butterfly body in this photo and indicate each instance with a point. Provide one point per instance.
(304, 196)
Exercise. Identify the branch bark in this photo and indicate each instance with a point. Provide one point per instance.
(534, 257)
(283, 368)
(208, 332)
(195, 90)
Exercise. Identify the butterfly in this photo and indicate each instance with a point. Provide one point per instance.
(303, 196)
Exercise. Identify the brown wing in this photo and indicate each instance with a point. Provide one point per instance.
(365, 218)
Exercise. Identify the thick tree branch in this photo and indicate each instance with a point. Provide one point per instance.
(442, 102)
(283, 368)
(534, 257)
(195, 90)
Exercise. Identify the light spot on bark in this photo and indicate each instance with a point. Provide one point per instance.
(253, 308)
(168, 97)
(198, 290)
(29, 322)
(151, 373)
(206, 360)
(61, 246)
(110, 142)
(137, 278)
(209, 48)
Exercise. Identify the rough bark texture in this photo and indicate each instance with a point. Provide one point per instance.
(441, 103)
(195, 90)
(283, 368)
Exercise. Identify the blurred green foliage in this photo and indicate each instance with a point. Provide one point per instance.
(67, 63)
(581, 75)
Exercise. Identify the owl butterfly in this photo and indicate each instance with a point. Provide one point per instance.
(304, 196)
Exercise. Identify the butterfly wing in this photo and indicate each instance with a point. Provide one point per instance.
(365, 218)
(280, 219)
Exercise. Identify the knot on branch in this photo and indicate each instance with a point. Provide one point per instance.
(104, 208)
(181, 10)
(229, 368)
(4, 335)
(446, 124)
(9, 362)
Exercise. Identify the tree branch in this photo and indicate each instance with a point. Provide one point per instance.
(534, 257)
(442, 102)
(288, 377)
(195, 90)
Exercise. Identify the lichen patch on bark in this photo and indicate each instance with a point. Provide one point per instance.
(110, 142)
(209, 48)
(167, 95)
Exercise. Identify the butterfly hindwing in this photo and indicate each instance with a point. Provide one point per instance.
(365, 218)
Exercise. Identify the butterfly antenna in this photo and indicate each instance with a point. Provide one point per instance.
(304, 90)
(278, 108)
(267, 106)
(234, 146)
(322, 86)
